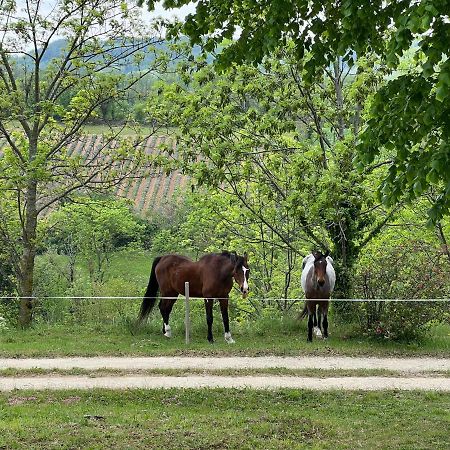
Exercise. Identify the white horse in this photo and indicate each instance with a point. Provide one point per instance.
(318, 280)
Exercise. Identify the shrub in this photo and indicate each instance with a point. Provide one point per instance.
(395, 267)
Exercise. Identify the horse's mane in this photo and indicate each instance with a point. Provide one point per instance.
(233, 257)
(228, 254)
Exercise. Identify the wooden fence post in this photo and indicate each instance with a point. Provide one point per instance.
(187, 318)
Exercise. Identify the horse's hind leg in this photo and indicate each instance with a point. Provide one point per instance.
(316, 328)
(310, 327)
(165, 306)
(226, 320)
(209, 317)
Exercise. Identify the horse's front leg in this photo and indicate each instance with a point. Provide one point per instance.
(317, 325)
(325, 320)
(226, 320)
(310, 326)
(209, 317)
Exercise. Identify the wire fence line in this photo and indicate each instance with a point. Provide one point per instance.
(262, 300)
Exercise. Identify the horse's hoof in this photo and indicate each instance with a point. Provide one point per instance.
(229, 339)
(167, 331)
(317, 332)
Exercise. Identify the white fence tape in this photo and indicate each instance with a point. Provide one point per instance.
(358, 300)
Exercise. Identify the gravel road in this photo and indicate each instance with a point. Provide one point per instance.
(237, 382)
(408, 366)
(215, 363)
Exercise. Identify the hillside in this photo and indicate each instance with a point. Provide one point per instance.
(57, 49)
(149, 194)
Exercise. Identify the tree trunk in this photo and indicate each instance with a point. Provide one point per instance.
(28, 257)
(345, 254)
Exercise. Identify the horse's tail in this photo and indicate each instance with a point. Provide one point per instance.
(304, 313)
(150, 294)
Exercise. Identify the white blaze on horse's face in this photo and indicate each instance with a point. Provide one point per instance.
(245, 285)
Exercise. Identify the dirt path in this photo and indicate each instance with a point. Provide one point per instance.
(409, 366)
(212, 381)
(212, 363)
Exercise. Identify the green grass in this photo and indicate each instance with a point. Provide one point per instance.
(316, 373)
(71, 340)
(224, 419)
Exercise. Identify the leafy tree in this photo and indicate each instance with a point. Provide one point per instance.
(212, 221)
(283, 149)
(409, 115)
(37, 170)
(92, 230)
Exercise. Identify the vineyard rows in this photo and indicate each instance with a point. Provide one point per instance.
(148, 194)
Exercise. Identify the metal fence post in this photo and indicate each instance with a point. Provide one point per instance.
(187, 318)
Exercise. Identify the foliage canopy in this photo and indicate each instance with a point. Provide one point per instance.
(409, 115)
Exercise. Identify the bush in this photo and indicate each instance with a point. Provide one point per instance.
(6, 275)
(401, 321)
(9, 311)
(399, 268)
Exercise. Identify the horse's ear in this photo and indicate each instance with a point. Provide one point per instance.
(316, 255)
(327, 253)
(233, 258)
(245, 257)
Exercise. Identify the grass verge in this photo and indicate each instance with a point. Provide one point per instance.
(224, 419)
(119, 339)
(316, 373)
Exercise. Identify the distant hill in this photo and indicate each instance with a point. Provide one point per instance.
(57, 47)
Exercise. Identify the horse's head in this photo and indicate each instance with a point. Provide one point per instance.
(241, 272)
(320, 267)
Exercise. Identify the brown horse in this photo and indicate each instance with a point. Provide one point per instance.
(318, 279)
(209, 278)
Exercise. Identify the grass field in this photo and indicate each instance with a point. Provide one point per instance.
(142, 130)
(65, 340)
(218, 419)
(106, 327)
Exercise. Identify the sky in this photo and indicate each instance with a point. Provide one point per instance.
(47, 5)
(171, 13)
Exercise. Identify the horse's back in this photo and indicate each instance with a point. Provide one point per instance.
(206, 276)
(173, 271)
(173, 260)
(331, 274)
(307, 267)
